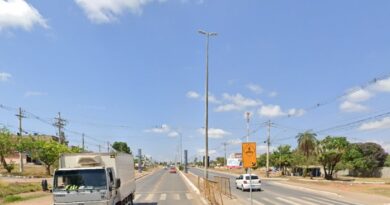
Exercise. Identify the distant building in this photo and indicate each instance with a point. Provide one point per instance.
(234, 160)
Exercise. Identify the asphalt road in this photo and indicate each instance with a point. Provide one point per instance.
(164, 188)
(274, 194)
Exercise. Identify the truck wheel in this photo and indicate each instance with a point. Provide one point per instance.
(131, 199)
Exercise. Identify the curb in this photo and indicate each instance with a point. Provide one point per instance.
(193, 187)
(139, 177)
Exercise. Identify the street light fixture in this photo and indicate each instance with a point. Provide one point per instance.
(206, 164)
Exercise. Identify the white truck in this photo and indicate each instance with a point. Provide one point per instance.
(94, 179)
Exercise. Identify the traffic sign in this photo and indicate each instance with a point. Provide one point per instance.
(249, 154)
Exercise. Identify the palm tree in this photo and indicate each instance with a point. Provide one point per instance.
(307, 144)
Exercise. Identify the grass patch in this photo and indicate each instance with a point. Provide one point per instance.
(7, 189)
(29, 170)
(12, 198)
(15, 198)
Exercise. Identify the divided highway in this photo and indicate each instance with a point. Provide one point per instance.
(274, 194)
(164, 188)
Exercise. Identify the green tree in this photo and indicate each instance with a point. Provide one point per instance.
(121, 147)
(220, 160)
(365, 158)
(307, 144)
(282, 157)
(48, 152)
(7, 147)
(330, 152)
(387, 162)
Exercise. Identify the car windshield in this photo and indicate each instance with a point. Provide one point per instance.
(252, 177)
(79, 179)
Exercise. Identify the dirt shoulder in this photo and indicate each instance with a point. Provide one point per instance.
(364, 193)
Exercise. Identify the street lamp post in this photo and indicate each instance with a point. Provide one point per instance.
(207, 34)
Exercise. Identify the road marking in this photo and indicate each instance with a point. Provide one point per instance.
(286, 201)
(269, 201)
(176, 197)
(255, 201)
(324, 201)
(137, 196)
(189, 196)
(149, 197)
(163, 197)
(301, 201)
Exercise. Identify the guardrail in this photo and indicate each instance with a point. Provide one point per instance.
(211, 191)
(224, 185)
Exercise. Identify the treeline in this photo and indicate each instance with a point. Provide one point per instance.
(46, 150)
(333, 153)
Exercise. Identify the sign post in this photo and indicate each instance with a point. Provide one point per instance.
(249, 160)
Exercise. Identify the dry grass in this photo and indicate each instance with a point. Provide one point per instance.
(29, 170)
(17, 188)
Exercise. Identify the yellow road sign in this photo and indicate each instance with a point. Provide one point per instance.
(249, 154)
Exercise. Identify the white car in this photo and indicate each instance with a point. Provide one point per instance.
(243, 182)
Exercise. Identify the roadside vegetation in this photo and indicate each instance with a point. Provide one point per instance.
(332, 153)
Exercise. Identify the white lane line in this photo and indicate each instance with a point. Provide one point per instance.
(269, 201)
(176, 197)
(149, 197)
(324, 201)
(287, 201)
(301, 201)
(163, 197)
(255, 201)
(137, 196)
(189, 196)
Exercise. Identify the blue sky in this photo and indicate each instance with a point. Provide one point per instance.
(133, 70)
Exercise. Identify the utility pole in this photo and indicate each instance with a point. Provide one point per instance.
(181, 148)
(207, 34)
(108, 146)
(60, 124)
(100, 150)
(82, 141)
(20, 117)
(224, 149)
(268, 142)
(139, 160)
(247, 114)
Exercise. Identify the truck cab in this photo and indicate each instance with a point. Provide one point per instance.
(80, 181)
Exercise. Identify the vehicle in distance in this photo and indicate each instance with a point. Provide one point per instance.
(94, 178)
(172, 169)
(246, 181)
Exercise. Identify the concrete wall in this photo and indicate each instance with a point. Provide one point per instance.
(383, 172)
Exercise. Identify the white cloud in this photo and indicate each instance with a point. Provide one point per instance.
(382, 85)
(34, 94)
(213, 99)
(192, 94)
(359, 95)
(4, 76)
(379, 124)
(211, 152)
(234, 141)
(19, 14)
(271, 111)
(106, 11)
(273, 94)
(163, 129)
(237, 102)
(348, 106)
(215, 132)
(255, 88)
(173, 134)
(296, 112)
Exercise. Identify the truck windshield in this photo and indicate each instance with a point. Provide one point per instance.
(68, 180)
